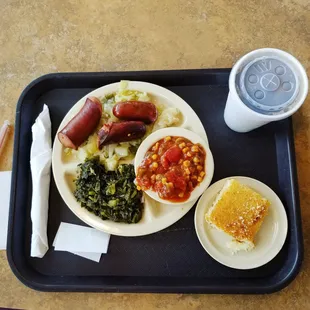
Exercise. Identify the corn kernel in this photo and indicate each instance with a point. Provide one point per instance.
(185, 150)
(199, 168)
(164, 180)
(154, 156)
(196, 160)
(189, 154)
(155, 147)
(202, 173)
(187, 171)
(186, 163)
(170, 184)
(195, 149)
(181, 145)
(199, 179)
(155, 165)
(168, 138)
(181, 195)
(194, 177)
(138, 188)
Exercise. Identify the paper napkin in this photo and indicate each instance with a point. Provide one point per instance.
(5, 185)
(40, 162)
(80, 240)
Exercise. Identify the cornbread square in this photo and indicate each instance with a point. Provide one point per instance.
(238, 211)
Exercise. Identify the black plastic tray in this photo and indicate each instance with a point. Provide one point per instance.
(171, 260)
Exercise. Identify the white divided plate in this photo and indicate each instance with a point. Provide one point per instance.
(156, 216)
(268, 241)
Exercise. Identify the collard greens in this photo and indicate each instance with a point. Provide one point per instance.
(111, 195)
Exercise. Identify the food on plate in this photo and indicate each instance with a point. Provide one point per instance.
(169, 117)
(120, 132)
(82, 125)
(111, 195)
(238, 211)
(105, 135)
(136, 111)
(127, 117)
(126, 94)
(172, 167)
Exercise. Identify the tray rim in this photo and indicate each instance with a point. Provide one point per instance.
(206, 288)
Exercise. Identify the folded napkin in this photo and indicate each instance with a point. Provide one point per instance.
(82, 241)
(40, 163)
(5, 185)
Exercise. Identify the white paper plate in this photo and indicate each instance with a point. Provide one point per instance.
(268, 241)
(156, 216)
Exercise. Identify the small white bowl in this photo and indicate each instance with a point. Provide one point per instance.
(191, 136)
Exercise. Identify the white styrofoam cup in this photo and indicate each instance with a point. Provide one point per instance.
(241, 118)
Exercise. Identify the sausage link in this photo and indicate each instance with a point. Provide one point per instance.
(120, 132)
(82, 125)
(136, 111)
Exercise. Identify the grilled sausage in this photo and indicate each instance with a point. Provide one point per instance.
(120, 132)
(82, 125)
(136, 111)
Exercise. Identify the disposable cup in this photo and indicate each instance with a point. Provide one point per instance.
(244, 112)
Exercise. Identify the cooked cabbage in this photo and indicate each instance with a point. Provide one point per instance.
(124, 94)
(169, 117)
(108, 109)
(91, 146)
(81, 153)
(111, 163)
(121, 151)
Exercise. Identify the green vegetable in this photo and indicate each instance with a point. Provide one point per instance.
(111, 163)
(108, 99)
(121, 151)
(125, 94)
(123, 85)
(111, 195)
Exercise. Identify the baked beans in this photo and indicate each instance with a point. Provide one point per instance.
(172, 167)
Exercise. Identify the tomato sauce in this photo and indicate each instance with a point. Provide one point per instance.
(172, 167)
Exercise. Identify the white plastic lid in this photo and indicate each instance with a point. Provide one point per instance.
(268, 84)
